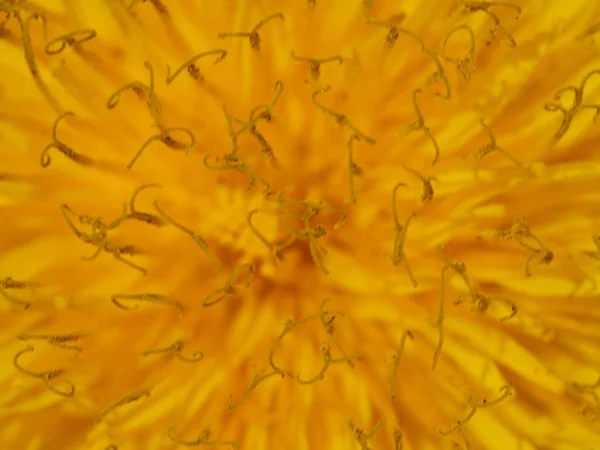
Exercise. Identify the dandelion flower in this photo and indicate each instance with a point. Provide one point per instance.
(299, 224)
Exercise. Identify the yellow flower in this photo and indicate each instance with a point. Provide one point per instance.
(345, 225)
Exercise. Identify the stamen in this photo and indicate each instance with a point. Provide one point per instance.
(143, 216)
(45, 158)
(68, 392)
(175, 349)
(327, 323)
(481, 304)
(353, 169)
(419, 124)
(308, 233)
(233, 156)
(325, 350)
(74, 38)
(520, 231)
(396, 365)
(152, 101)
(439, 322)
(315, 63)
(439, 74)
(58, 340)
(203, 439)
(191, 66)
(242, 167)
(253, 35)
(484, 6)
(230, 285)
(506, 391)
(10, 298)
(139, 88)
(251, 126)
(166, 139)
(20, 368)
(427, 194)
(255, 382)
(398, 256)
(288, 327)
(46, 376)
(195, 237)
(326, 318)
(577, 106)
(362, 438)
(145, 297)
(259, 235)
(466, 65)
(493, 147)
(266, 148)
(100, 230)
(341, 119)
(394, 33)
(267, 115)
(30, 57)
(9, 283)
(124, 401)
(99, 236)
(461, 270)
(311, 209)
